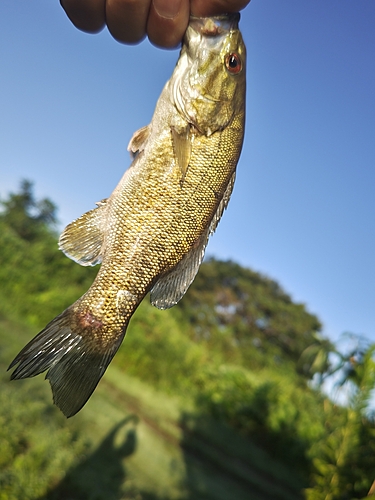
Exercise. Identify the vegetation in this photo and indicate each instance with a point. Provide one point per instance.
(220, 397)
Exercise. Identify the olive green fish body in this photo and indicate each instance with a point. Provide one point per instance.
(151, 233)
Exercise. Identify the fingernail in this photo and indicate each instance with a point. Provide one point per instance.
(167, 8)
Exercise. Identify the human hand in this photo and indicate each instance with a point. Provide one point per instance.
(129, 21)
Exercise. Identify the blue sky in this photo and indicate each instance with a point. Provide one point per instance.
(302, 211)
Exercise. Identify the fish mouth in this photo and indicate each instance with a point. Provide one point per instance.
(215, 25)
(209, 98)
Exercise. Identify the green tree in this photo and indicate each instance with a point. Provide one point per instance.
(37, 280)
(321, 359)
(231, 347)
(248, 313)
(27, 216)
(344, 462)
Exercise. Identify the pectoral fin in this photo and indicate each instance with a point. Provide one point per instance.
(181, 140)
(82, 240)
(172, 287)
(138, 140)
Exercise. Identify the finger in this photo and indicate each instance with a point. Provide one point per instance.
(204, 8)
(127, 19)
(86, 15)
(167, 22)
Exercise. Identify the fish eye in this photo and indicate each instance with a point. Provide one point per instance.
(233, 63)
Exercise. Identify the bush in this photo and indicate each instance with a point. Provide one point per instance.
(32, 457)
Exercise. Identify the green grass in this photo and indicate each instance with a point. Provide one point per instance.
(206, 401)
(129, 442)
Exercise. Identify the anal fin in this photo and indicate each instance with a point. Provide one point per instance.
(82, 240)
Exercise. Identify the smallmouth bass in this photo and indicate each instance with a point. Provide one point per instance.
(150, 234)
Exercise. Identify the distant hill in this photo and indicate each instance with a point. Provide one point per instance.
(252, 308)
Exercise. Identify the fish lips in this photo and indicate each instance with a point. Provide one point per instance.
(216, 25)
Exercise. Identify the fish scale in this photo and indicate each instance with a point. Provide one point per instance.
(151, 233)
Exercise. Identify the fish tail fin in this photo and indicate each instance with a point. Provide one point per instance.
(75, 365)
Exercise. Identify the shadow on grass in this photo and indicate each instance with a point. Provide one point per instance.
(222, 464)
(101, 475)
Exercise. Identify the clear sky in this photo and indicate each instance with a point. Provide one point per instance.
(303, 207)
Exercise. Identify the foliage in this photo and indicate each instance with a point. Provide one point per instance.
(253, 309)
(267, 409)
(344, 463)
(37, 281)
(236, 347)
(264, 406)
(37, 444)
(26, 216)
(156, 350)
(28, 462)
(320, 358)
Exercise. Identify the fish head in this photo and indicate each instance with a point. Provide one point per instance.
(208, 84)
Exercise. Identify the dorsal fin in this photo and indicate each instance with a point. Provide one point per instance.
(172, 287)
(82, 240)
(222, 205)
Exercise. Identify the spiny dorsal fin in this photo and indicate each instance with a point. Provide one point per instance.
(82, 240)
(172, 287)
(181, 140)
(138, 140)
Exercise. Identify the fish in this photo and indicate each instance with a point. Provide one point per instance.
(151, 233)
